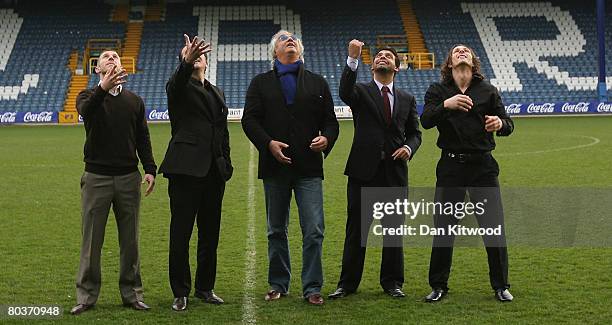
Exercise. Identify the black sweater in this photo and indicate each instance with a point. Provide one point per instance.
(464, 132)
(116, 129)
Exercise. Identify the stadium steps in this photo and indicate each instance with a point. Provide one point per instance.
(414, 35)
(77, 84)
(366, 57)
(131, 43)
(155, 12)
(120, 13)
(73, 61)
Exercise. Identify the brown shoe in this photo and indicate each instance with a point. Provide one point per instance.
(80, 308)
(138, 305)
(273, 295)
(315, 299)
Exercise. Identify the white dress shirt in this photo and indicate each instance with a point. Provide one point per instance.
(115, 91)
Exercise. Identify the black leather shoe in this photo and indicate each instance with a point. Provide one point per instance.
(503, 295)
(395, 293)
(436, 295)
(339, 293)
(209, 297)
(179, 304)
(138, 305)
(80, 308)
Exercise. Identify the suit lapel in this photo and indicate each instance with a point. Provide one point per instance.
(396, 103)
(218, 96)
(277, 90)
(377, 97)
(207, 103)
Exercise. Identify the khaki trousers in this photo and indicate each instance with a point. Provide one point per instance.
(98, 193)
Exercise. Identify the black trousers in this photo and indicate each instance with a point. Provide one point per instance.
(479, 180)
(392, 264)
(194, 199)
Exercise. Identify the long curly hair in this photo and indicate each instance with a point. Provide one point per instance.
(446, 72)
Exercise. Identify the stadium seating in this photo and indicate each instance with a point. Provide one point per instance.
(533, 51)
(40, 39)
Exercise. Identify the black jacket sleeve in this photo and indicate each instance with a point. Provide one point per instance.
(253, 116)
(348, 91)
(226, 141)
(143, 143)
(179, 79)
(331, 127)
(500, 111)
(412, 133)
(433, 111)
(89, 101)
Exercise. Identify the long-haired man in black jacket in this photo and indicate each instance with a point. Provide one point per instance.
(467, 110)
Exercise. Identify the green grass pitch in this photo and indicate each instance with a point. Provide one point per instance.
(40, 237)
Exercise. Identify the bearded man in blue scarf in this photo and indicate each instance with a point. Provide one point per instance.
(289, 117)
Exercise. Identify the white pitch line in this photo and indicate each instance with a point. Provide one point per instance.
(594, 142)
(248, 305)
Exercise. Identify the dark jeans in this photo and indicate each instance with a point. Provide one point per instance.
(194, 199)
(479, 180)
(309, 199)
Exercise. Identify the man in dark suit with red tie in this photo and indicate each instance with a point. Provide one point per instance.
(386, 136)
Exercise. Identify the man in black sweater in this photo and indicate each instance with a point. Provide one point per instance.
(467, 109)
(116, 131)
(197, 165)
(289, 116)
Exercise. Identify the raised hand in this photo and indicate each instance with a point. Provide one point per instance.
(194, 49)
(354, 48)
(113, 77)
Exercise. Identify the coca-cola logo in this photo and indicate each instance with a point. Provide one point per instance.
(541, 108)
(513, 109)
(581, 107)
(8, 117)
(159, 116)
(41, 117)
(604, 108)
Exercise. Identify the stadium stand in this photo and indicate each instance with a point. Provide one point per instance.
(533, 51)
(40, 40)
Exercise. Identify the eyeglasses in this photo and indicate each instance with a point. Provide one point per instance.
(285, 37)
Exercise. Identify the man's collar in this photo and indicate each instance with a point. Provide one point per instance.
(380, 85)
(205, 84)
(113, 91)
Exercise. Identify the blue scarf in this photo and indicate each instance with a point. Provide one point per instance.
(287, 74)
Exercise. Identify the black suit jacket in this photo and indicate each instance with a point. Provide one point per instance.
(266, 117)
(198, 116)
(373, 138)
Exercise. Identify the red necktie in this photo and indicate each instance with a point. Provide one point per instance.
(385, 95)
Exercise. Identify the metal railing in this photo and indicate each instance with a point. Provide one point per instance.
(127, 62)
(416, 60)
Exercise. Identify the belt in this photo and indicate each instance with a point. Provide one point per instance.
(465, 157)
